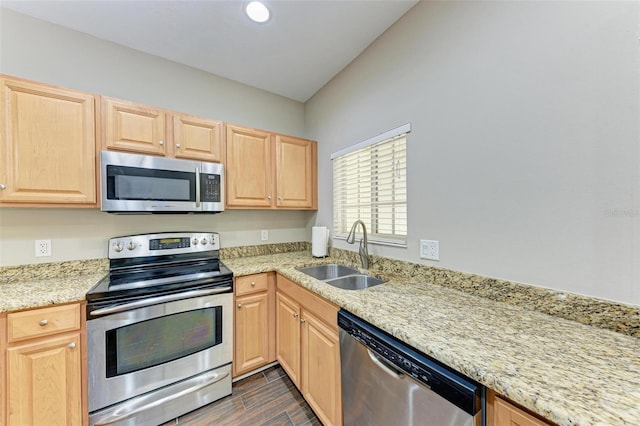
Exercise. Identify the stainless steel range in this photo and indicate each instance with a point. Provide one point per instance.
(159, 329)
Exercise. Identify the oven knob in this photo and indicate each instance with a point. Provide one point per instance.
(195, 241)
(203, 241)
(212, 240)
(118, 246)
(132, 245)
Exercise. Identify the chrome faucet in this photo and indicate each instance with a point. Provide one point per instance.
(362, 250)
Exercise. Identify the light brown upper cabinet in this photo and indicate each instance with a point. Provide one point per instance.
(266, 170)
(197, 138)
(47, 145)
(144, 129)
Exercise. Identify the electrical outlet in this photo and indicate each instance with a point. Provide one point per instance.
(43, 248)
(430, 249)
(264, 235)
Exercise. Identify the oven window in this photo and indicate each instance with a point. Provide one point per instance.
(156, 341)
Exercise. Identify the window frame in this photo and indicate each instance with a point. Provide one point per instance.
(372, 219)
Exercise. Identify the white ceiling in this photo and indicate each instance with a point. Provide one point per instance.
(304, 45)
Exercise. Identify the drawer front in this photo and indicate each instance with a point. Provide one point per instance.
(42, 322)
(251, 284)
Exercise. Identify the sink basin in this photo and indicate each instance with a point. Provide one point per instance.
(355, 282)
(328, 272)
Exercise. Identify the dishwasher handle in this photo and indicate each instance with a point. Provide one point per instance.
(384, 365)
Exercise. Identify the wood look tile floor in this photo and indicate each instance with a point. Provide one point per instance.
(265, 398)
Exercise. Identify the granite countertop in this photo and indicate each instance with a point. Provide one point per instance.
(569, 373)
(35, 286)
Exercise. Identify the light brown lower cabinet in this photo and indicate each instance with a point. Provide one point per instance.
(44, 367)
(308, 348)
(501, 412)
(254, 343)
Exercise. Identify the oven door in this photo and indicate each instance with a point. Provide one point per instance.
(143, 349)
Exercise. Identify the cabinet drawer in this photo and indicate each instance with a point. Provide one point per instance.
(251, 284)
(42, 322)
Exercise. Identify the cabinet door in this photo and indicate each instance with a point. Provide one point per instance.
(296, 168)
(507, 414)
(288, 336)
(249, 172)
(197, 138)
(47, 145)
(251, 333)
(320, 354)
(134, 127)
(44, 382)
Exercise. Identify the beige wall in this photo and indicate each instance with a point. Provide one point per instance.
(524, 156)
(40, 51)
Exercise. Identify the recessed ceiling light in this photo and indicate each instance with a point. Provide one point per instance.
(257, 11)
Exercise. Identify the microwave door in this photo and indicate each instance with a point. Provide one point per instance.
(136, 183)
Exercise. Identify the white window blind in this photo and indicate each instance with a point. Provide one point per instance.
(370, 184)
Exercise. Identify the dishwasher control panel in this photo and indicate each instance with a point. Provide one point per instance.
(458, 389)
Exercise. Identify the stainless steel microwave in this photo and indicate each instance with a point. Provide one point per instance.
(132, 183)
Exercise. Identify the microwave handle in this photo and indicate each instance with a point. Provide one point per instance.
(197, 186)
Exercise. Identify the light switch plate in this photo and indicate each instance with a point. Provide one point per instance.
(430, 249)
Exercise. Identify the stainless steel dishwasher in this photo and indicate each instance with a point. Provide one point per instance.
(387, 383)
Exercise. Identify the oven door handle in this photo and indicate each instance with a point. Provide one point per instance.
(215, 378)
(160, 299)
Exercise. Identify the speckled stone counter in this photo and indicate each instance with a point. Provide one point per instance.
(510, 337)
(568, 372)
(34, 286)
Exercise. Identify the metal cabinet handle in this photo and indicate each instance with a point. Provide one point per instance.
(2, 186)
(268, 197)
(160, 142)
(239, 305)
(177, 145)
(302, 320)
(253, 283)
(43, 322)
(72, 345)
(295, 315)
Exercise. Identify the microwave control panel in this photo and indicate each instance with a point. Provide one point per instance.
(210, 187)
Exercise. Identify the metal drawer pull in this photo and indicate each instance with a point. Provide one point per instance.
(43, 322)
(295, 315)
(156, 300)
(2, 186)
(160, 142)
(135, 410)
(253, 283)
(72, 345)
(302, 320)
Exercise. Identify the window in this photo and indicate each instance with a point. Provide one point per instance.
(370, 184)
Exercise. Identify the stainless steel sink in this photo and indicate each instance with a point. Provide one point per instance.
(355, 282)
(341, 276)
(328, 272)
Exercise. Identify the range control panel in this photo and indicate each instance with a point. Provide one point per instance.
(162, 244)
